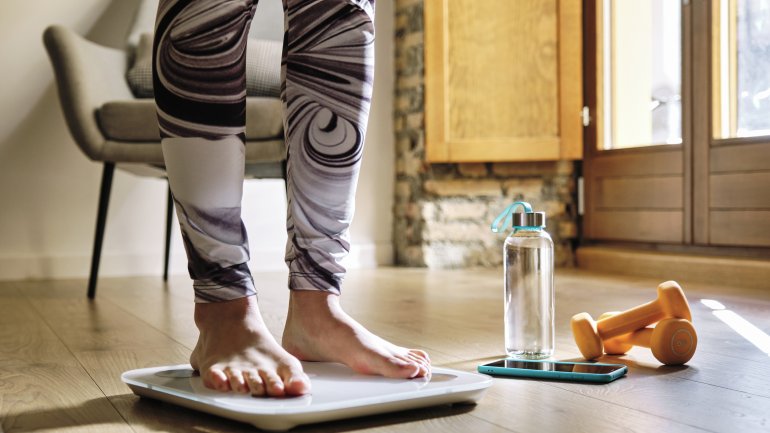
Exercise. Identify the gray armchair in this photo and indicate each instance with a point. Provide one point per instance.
(113, 127)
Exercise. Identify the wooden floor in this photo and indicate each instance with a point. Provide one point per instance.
(61, 356)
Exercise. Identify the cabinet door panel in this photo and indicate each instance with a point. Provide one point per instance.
(503, 80)
(489, 96)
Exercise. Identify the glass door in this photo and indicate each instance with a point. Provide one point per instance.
(731, 152)
(634, 170)
(678, 148)
(642, 70)
(741, 68)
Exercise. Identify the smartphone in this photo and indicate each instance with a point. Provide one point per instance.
(577, 371)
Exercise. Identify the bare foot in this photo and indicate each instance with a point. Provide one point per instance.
(235, 351)
(318, 330)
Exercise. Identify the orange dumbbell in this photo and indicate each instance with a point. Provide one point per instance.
(671, 303)
(673, 341)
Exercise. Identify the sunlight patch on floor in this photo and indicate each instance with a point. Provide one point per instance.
(743, 327)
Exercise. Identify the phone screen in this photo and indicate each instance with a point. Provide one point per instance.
(568, 367)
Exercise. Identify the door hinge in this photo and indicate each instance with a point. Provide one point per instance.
(585, 114)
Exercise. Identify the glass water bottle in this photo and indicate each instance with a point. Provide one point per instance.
(528, 282)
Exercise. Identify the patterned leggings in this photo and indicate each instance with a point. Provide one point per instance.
(200, 90)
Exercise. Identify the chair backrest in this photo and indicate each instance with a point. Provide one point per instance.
(87, 76)
(144, 22)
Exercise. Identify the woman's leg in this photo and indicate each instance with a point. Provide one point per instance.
(328, 68)
(200, 89)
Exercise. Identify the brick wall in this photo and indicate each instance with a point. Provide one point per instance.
(443, 211)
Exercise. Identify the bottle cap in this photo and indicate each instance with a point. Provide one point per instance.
(528, 219)
(517, 220)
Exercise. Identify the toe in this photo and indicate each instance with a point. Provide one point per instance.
(419, 359)
(424, 370)
(424, 366)
(215, 378)
(254, 382)
(421, 353)
(235, 378)
(273, 383)
(297, 385)
(401, 367)
(295, 381)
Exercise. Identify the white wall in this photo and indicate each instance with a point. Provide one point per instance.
(49, 190)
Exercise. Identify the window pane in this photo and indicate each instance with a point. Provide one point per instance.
(642, 70)
(741, 68)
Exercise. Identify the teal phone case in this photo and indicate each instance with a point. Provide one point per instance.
(557, 375)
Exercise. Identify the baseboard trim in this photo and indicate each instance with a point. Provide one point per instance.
(14, 268)
(741, 272)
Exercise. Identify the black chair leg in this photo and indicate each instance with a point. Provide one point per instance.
(169, 216)
(101, 219)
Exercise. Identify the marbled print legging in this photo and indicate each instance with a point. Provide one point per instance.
(200, 90)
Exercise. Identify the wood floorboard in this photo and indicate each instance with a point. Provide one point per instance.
(49, 397)
(163, 310)
(146, 415)
(116, 342)
(61, 356)
(25, 338)
(43, 388)
(528, 406)
(727, 410)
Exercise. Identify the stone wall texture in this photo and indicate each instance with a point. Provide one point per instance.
(443, 212)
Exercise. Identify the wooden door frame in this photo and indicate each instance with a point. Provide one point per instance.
(701, 101)
(704, 137)
(593, 74)
(697, 142)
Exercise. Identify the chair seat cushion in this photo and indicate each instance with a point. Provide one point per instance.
(263, 68)
(135, 120)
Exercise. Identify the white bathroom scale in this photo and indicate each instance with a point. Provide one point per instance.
(337, 393)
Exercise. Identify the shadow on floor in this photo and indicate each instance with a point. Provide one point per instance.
(160, 416)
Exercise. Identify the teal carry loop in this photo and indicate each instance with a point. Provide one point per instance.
(505, 219)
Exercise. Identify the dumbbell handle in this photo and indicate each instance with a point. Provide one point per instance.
(630, 320)
(641, 337)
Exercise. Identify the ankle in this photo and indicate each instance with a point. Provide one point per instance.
(311, 311)
(215, 312)
(313, 299)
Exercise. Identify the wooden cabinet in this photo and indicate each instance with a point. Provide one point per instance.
(503, 80)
